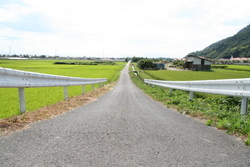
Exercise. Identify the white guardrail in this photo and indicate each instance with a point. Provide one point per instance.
(228, 87)
(10, 78)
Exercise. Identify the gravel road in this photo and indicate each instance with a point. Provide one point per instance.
(123, 128)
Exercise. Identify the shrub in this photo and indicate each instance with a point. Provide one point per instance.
(146, 64)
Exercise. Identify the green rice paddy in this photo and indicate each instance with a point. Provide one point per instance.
(39, 97)
(196, 75)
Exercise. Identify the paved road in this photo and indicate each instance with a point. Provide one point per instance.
(123, 128)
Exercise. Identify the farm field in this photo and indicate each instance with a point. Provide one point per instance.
(238, 67)
(196, 75)
(39, 97)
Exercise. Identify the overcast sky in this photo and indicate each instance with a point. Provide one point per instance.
(117, 28)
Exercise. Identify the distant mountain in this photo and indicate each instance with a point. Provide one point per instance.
(236, 46)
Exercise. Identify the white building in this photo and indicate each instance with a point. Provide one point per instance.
(196, 63)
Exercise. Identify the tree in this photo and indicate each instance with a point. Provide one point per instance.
(42, 56)
(145, 63)
(178, 63)
(136, 59)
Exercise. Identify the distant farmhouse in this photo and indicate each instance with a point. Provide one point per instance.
(197, 63)
(237, 59)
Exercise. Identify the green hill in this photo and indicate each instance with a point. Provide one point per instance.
(237, 45)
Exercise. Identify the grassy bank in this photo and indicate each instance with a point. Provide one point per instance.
(220, 111)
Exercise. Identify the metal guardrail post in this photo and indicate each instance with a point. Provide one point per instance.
(83, 89)
(22, 102)
(171, 91)
(10, 78)
(65, 93)
(244, 106)
(191, 95)
(93, 87)
(227, 87)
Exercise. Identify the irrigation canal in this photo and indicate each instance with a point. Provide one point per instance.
(122, 128)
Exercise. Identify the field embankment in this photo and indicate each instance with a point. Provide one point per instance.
(215, 110)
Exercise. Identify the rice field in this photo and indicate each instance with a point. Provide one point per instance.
(196, 75)
(39, 97)
(240, 67)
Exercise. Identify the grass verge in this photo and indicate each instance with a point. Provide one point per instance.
(23, 121)
(219, 111)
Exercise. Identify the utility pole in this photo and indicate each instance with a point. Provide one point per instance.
(9, 50)
(55, 51)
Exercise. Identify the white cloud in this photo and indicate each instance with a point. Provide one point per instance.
(12, 12)
(131, 27)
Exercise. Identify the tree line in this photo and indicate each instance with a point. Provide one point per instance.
(236, 46)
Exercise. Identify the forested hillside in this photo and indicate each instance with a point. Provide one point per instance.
(236, 46)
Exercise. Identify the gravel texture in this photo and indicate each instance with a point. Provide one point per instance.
(122, 128)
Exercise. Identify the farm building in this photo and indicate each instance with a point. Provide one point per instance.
(196, 63)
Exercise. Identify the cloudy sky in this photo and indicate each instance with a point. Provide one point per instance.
(117, 28)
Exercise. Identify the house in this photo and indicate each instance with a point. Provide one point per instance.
(197, 63)
(236, 60)
(239, 59)
(180, 59)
